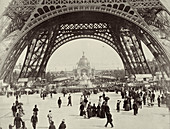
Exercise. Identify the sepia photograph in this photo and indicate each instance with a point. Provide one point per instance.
(84, 64)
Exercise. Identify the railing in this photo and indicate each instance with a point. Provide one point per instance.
(81, 1)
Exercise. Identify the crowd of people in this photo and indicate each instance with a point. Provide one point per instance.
(132, 99)
(140, 97)
(18, 112)
(102, 110)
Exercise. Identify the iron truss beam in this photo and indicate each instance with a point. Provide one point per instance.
(25, 13)
(121, 34)
(157, 17)
(18, 11)
(156, 50)
(15, 53)
(27, 10)
(41, 48)
(130, 51)
(134, 52)
(138, 4)
(35, 53)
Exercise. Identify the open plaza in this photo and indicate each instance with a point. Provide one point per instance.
(148, 117)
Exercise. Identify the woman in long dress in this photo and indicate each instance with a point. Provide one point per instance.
(102, 110)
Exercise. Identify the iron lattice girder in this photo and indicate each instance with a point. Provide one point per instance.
(30, 9)
(48, 9)
(134, 52)
(118, 11)
(19, 12)
(154, 47)
(158, 53)
(131, 15)
(30, 12)
(22, 8)
(121, 51)
(59, 35)
(48, 50)
(25, 9)
(99, 31)
(83, 28)
(158, 21)
(131, 52)
(60, 39)
(130, 46)
(155, 15)
(35, 54)
(67, 38)
(138, 4)
(15, 53)
(46, 27)
(15, 25)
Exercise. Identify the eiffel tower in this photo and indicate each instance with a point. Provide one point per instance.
(42, 26)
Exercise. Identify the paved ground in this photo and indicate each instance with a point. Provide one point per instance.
(148, 117)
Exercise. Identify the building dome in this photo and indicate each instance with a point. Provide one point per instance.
(83, 62)
(83, 70)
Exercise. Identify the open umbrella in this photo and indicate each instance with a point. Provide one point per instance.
(27, 89)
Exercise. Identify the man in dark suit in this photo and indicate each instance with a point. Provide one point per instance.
(109, 119)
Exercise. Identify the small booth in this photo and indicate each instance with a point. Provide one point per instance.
(143, 80)
(23, 81)
(3, 87)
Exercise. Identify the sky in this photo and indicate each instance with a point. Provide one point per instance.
(99, 54)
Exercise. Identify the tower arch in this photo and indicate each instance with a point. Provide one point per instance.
(127, 29)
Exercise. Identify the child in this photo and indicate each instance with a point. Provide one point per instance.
(49, 117)
(10, 126)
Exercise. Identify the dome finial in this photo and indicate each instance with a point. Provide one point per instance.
(83, 53)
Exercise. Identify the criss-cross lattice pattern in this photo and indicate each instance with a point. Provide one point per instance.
(24, 19)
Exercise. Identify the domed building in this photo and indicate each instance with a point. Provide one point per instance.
(83, 70)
